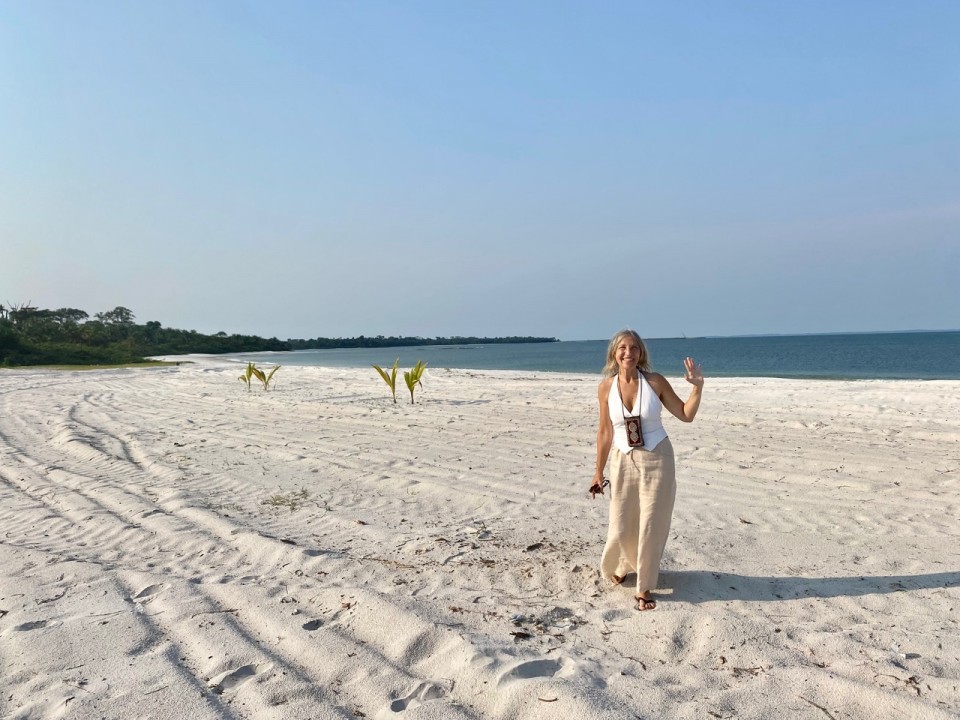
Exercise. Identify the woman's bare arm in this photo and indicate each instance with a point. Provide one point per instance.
(685, 411)
(604, 434)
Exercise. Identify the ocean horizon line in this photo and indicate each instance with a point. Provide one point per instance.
(785, 334)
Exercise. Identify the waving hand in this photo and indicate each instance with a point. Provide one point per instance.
(694, 374)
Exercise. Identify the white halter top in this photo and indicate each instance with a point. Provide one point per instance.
(647, 405)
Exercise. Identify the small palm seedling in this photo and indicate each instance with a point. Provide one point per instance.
(263, 377)
(412, 378)
(253, 371)
(248, 373)
(390, 379)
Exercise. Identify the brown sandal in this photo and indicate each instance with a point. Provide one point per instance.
(644, 604)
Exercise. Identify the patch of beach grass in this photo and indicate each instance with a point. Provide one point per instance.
(293, 500)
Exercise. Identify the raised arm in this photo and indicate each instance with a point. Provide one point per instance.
(604, 437)
(685, 411)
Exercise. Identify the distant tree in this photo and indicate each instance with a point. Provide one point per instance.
(94, 332)
(118, 316)
(19, 312)
(69, 316)
(36, 325)
(152, 331)
(9, 340)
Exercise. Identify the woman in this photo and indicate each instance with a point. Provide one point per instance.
(642, 479)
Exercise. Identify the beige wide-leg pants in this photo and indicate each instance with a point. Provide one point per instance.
(643, 486)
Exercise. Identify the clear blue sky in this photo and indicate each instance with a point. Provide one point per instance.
(486, 168)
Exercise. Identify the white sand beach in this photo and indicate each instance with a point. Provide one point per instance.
(172, 545)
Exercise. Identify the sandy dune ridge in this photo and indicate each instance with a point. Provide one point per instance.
(174, 546)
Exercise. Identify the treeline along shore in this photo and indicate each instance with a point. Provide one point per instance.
(68, 336)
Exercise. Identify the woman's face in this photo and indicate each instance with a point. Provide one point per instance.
(628, 353)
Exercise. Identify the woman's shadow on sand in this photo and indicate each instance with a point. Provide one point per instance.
(697, 586)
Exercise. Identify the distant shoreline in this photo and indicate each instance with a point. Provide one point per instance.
(381, 341)
(33, 336)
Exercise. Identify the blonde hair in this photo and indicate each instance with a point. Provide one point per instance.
(643, 362)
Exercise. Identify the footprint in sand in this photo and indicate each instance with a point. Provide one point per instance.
(531, 669)
(148, 592)
(232, 679)
(35, 625)
(616, 614)
(423, 692)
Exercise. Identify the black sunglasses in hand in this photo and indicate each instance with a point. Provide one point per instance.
(594, 489)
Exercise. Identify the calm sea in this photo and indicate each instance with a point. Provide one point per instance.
(919, 355)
